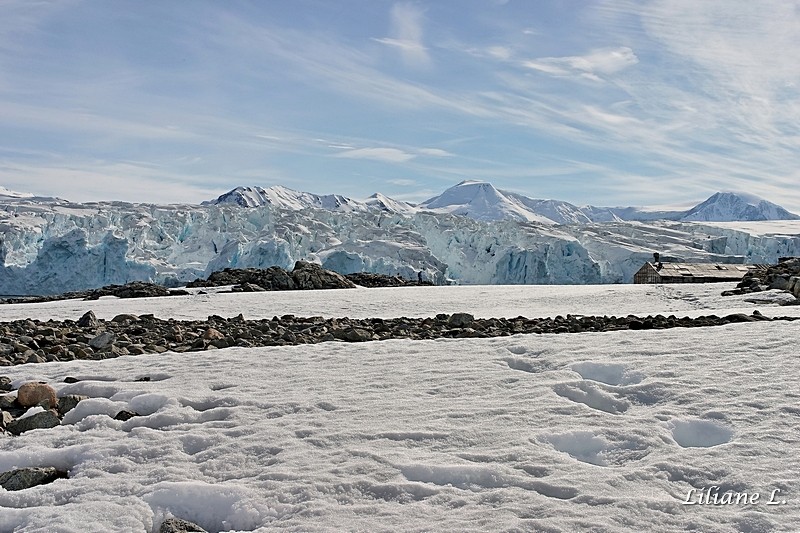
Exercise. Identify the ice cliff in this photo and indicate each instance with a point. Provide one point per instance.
(51, 245)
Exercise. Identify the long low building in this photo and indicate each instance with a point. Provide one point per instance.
(659, 272)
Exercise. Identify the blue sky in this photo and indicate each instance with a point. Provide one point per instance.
(604, 102)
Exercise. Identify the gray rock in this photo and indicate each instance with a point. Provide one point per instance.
(25, 478)
(125, 317)
(780, 283)
(460, 320)
(178, 525)
(101, 341)
(312, 276)
(5, 419)
(357, 335)
(44, 420)
(88, 320)
(248, 287)
(69, 402)
(5, 383)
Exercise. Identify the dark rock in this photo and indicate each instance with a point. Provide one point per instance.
(43, 420)
(25, 478)
(460, 320)
(135, 289)
(178, 525)
(88, 320)
(5, 383)
(356, 335)
(313, 277)
(179, 292)
(248, 287)
(69, 402)
(125, 415)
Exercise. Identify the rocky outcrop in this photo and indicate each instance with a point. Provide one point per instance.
(135, 289)
(311, 276)
(783, 276)
(304, 276)
(369, 280)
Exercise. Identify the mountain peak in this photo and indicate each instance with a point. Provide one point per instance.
(734, 206)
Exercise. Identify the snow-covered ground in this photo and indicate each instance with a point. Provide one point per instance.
(482, 301)
(574, 432)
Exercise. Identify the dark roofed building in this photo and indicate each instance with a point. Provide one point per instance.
(658, 272)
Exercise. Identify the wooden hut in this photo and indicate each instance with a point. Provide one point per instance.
(658, 272)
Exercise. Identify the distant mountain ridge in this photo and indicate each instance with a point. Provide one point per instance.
(480, 200)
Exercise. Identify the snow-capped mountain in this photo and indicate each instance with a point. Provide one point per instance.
(479, 200)
(390, 205)
(6, 193)
(729, 206)
(482, 201)
(53, 246)
(282, 197)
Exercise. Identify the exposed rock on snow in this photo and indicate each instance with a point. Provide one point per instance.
(67, 341)
(34, 393)
(310, 277)
(25, 478)
(304, 276)
(40, 420)
(783, 276)
(178, 525)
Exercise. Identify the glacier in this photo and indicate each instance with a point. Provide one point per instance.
(51, 245)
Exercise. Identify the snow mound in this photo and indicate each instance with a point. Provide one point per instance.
(696, 433)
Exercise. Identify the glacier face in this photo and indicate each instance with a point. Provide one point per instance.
(54, 246)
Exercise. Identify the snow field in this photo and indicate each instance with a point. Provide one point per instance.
(557, 433)
(483, 301)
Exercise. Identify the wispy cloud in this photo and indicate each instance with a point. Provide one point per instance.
(406, 35)
(402, 182)
(435, 152)
(389, 155)
(597, 63)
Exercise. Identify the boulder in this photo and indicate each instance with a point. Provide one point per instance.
(5, 383)
(25, 478)
(42, 420)
(178, 525)
(69, 402)
(101, 341)
(34, 393)
(125, 317)
(5, 419)
(460, 320)
(312, 276)
(88, 320)
(213, 334)
(794, 282)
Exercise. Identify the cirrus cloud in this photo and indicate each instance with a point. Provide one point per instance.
(389, 155)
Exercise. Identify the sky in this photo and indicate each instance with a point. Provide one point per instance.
(641, 102)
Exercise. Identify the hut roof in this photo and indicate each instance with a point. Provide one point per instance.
(703, 270)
